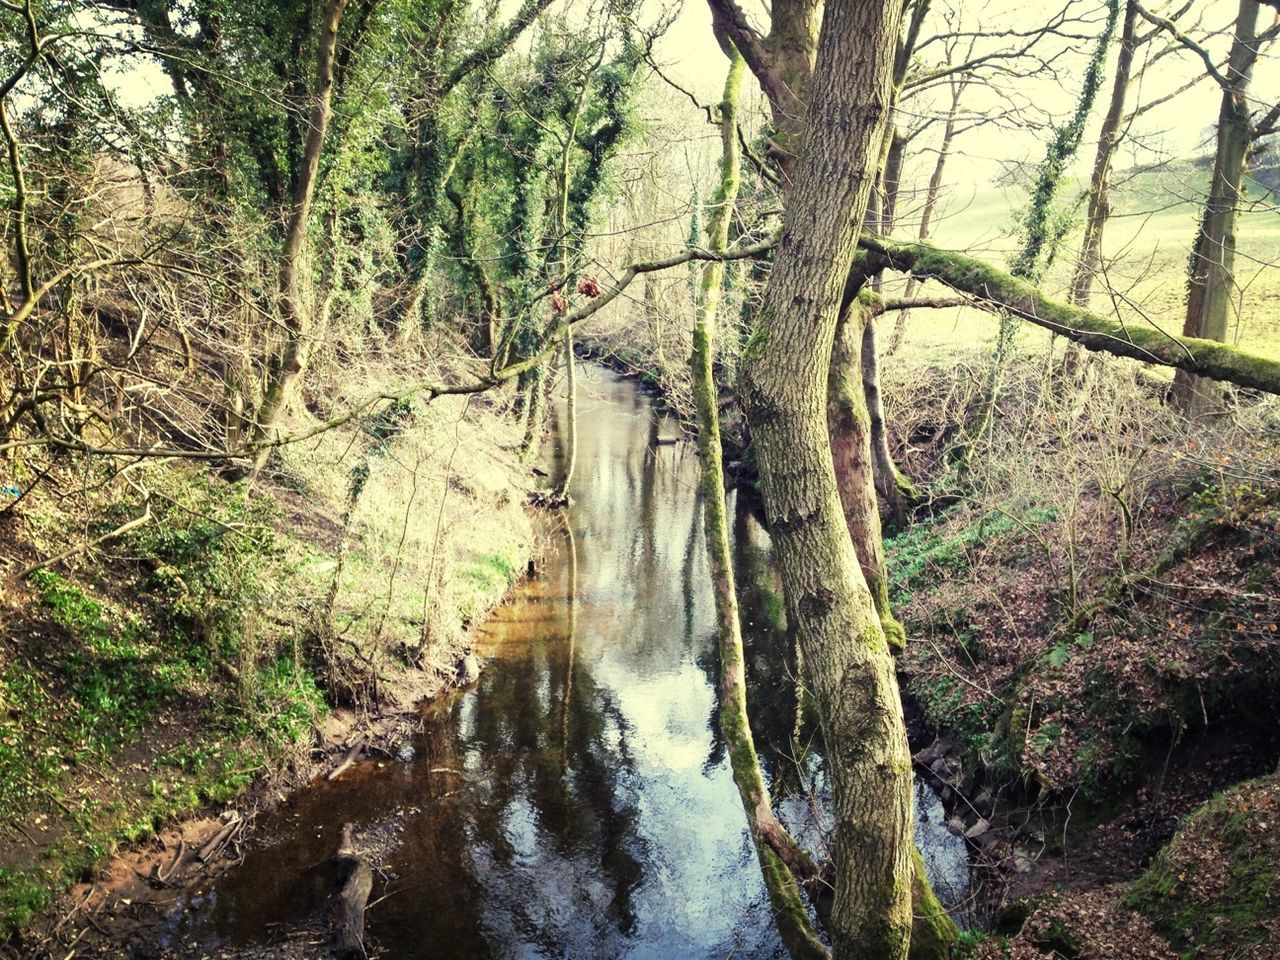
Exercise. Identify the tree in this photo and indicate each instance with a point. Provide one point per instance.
(1043, 225)
(775, 849)
(848, 663)
(290, 359)
(1211, 283)
(1100, 180)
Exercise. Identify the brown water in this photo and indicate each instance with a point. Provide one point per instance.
(577, 801)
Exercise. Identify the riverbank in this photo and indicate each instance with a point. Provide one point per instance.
(1093, 638)
(196, 665)
(579, 793)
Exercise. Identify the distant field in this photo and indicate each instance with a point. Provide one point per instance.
(1146, 246)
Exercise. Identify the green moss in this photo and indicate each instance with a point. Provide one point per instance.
(933, 933)
(790, 912)
(772, 606)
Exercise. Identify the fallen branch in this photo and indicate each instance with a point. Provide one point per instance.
(211, 847)
(165, 876)
(89, 545)
(352, 756)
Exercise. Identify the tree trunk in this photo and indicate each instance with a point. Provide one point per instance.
(1100, 182)
(290, 359)
(849, 424)
(561, 494)
(897, 491)
(894, 488)
(847, 660)
(774, 846)
(357, 883)
(783, 64)
(1099, 208)
(1212, 285)
(571, 414)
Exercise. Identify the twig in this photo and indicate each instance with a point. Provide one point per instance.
(79, 548)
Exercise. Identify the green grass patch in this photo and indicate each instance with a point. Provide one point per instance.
(922, 550)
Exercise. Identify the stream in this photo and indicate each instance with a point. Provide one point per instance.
(577, 801)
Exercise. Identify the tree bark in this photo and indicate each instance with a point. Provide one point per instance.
(894, 487)
(290, 359)
(571, 415)
(1212, 282)
(1100, 182)
(561, 264)
(783, 64)
(849, 424)
(847, 660)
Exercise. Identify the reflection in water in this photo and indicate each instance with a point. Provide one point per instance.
(576, 802)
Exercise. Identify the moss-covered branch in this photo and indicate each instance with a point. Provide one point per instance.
(966, 274)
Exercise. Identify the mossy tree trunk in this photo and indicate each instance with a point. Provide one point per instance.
(561, 271)
(289, 360)
(969, 275)
(849, 423)
(848, 662)
(1212, 282)
(774, 846)
(896, 489)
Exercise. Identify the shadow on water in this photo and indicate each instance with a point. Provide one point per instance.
(577, 801)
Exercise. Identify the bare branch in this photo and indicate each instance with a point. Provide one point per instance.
(1171, 28)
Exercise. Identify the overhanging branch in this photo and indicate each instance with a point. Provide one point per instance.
(968, 275)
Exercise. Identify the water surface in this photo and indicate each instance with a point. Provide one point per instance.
(577, 801)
